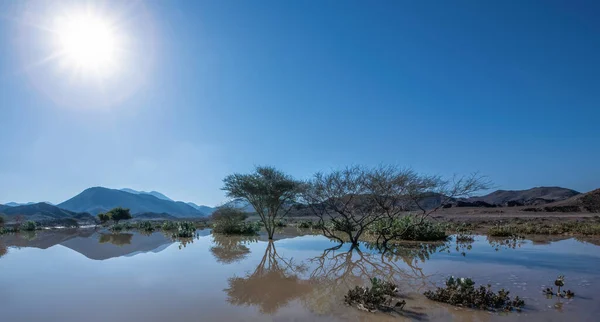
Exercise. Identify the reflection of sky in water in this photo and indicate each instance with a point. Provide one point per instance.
(153, 285)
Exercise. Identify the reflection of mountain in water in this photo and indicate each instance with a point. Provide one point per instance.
(107, 246)
(90, 243)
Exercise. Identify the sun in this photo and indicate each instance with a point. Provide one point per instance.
(87, 42)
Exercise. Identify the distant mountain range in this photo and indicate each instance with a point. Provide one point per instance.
(98, 199)
(530, 197)
(16, 204)
(155, 205)
(43, 212)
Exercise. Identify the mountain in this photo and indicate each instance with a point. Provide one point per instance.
(44, 212)
(586, 202)
(98, 199)
(16, 204)
(153, 216)
(531, 197)
(203, 209)
(152, 193)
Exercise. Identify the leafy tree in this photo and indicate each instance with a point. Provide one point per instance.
(103, 218)
(118, 214)
(268, 190)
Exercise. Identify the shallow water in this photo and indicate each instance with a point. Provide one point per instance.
(83, 275)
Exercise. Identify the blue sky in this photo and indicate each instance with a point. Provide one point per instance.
(507, 88)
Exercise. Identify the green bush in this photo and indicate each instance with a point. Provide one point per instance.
(462, 292)
(232, 221)
(410, 228)
(305, 224)
(185, 229)
(147, 226)
(169, 225)
(29, 226)
(380, 296)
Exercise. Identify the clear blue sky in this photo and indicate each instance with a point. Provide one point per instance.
(507, 88)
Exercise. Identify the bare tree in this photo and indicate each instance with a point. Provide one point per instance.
(340, 197)
(421, 194)
(268, 190)
(356, 198)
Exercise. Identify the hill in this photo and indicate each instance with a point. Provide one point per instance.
(153, 216)
(44, 212)
(203, 209)
(587, 202)
(98, 199)
(152, 193)
(531, 197)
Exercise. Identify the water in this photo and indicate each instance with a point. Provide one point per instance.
(83, 275)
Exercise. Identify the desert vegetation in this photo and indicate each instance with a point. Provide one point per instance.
(381, 296)
(586, 228)
(232, 221)
(376, 200)
(462, 292)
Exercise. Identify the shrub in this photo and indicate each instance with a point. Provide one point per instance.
(231, 221)
(29, 226)
(280, 224)
(169, 225)
(380, 296)
(305, 224)
(70, 223)
(116, 228)
(462, 292)
(185, 229)
(145, 226)
(410, 228)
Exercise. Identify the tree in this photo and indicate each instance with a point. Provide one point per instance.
(357, 198)
(118, 214)
(2, 220)
(103, 218)
(268, 190)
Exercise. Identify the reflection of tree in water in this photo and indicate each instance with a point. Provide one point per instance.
(506, 243)
(230, 249)
(337, 272)
(3, 249)
(116, 239)
(273, 284)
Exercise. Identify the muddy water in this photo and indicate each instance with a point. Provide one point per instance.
(79, 275)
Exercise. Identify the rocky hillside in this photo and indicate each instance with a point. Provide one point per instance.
(587, 202)
(531, 197)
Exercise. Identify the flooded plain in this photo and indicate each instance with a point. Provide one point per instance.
(85, 275)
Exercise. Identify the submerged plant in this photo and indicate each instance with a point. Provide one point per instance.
(410, 228)
(169, 225)
(462, 292)
(185, 229)
(559, 282)
(145, 226)
(380, 296)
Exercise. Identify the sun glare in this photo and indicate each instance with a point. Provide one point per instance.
(87, 43)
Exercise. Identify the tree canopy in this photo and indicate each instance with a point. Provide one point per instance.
(268, 190)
